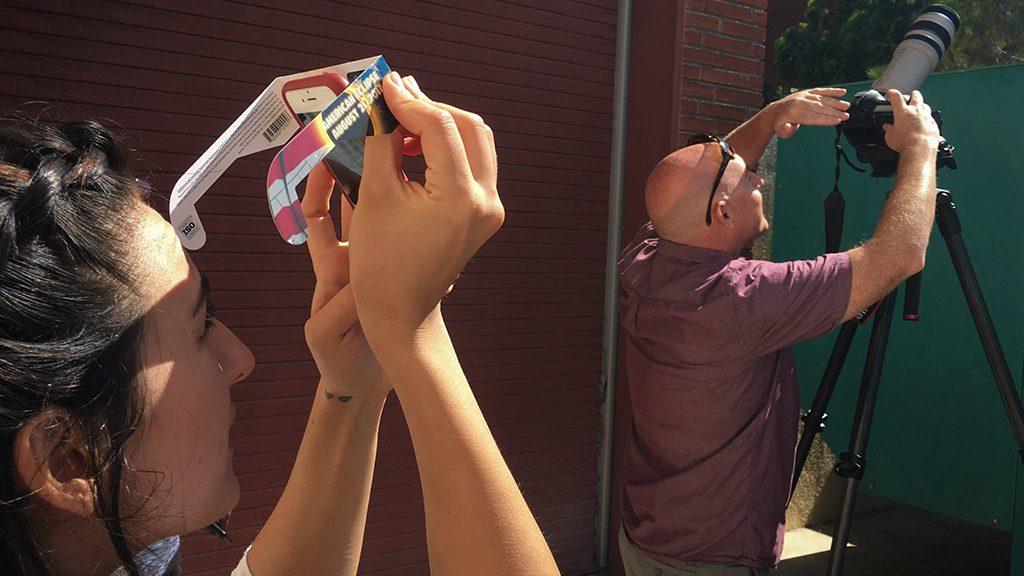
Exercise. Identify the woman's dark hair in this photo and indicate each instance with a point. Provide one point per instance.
(70, 317)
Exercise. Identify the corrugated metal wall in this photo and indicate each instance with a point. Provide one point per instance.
(526, 316)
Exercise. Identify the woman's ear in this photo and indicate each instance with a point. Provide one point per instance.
(51, 464)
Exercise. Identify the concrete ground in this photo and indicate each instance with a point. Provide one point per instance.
(894, 539)
(888, 538)
(901, 541)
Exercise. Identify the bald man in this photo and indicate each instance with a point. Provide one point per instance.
(713, 387)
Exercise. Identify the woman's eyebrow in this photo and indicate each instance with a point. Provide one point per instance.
(204, 293)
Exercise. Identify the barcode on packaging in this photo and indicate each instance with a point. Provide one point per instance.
(275, 127)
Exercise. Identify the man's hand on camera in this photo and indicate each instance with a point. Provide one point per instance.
(814, 107)
(912, 123)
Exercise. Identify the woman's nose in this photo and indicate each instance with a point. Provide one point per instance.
(237, 360)
(245, 366)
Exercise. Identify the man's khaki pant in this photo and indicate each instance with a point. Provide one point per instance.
(639, 564)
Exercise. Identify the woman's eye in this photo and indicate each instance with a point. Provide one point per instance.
(210, 318)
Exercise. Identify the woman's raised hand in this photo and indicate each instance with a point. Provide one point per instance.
(410, 241)
(333, 332)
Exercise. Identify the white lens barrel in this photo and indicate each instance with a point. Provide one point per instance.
(920, 51)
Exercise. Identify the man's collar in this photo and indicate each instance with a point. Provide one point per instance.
(691, 253)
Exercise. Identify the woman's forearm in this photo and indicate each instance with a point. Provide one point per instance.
(477, 520)
(317, 526)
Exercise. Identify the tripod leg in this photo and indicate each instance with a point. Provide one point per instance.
(851, 464)
(949, 226)
(814, 420)
(912, 298)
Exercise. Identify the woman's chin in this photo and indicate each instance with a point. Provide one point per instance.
(232, 494)
(225, 501)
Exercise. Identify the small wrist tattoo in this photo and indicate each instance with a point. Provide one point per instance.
(341, 399)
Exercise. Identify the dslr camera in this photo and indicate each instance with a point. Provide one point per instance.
(914, 58)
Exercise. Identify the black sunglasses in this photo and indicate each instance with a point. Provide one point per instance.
(727, 155)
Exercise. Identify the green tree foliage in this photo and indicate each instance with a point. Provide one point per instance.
(992, 33)
(848, 40)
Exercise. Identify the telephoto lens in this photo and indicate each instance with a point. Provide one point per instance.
(920, 51)
(915, 57)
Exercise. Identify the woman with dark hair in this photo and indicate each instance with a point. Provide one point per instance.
(115, 373)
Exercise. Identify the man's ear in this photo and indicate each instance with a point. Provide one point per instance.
(51, 464)
(721, 213)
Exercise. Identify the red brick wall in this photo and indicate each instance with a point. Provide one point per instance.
(722, 70)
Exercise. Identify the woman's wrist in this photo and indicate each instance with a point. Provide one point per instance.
(412, 354)
(391, 335)
(361, 396)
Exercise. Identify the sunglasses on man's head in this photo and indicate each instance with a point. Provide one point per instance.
(727, 155)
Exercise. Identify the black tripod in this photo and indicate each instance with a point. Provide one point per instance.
(852, 462)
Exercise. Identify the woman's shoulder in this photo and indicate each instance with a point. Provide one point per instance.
(243, 565)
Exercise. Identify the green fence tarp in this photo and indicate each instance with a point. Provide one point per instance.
(940, 438)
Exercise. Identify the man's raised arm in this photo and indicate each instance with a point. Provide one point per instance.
(816, 107)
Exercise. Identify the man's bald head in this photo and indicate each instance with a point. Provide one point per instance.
(678, 188)
(677, 196)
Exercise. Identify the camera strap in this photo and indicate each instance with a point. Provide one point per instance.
(835, 203)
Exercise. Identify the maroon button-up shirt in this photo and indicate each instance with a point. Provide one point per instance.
(715, 400)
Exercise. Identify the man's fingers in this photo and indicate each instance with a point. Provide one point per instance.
(817, 114)
(836, 103)
(443, 149)
(896, 99)
(825, 108)
(316, 207)
(788, 129)
(835, 92)
(916, 98)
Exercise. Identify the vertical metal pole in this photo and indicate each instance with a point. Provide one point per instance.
(610, 341)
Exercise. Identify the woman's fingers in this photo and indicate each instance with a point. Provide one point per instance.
(478, 139)
(316, 207)
(477, 136)
(334, 319)
(382, 161)
(443, 149)
(412, 147)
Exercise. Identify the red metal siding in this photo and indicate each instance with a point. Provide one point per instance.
(526, 316)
